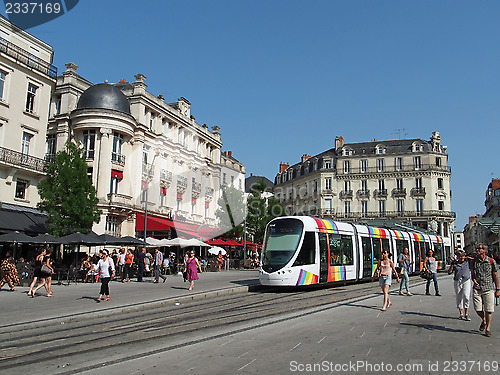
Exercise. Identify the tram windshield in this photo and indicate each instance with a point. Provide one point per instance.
(280, 244)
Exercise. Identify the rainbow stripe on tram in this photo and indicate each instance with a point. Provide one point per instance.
(418, 237)
(377, 232)
(399, 235)
(307, 278)
(326, 226)
(338, 273)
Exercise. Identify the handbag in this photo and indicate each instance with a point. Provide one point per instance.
(424, 274)
(399, 270)
(46, 269)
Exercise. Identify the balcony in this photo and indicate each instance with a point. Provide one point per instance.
(165, 175)
(363, 194)
(120, 200)
(395, 214)
(380, 193)
(118, 158)
(346, 194)
(182, 182)
(400, 168)
(19, 159)
(23, 56)
(399, 193)
(417, 192)
(196, 187)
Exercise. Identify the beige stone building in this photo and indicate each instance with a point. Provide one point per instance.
(404, 180)
(141, 149)
(27, 79)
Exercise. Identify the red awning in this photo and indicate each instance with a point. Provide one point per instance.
(117, 174)
(216, 242)
(154, 223)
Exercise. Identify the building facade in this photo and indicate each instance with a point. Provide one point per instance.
(142, 154)
(403, 180)
(27, 79)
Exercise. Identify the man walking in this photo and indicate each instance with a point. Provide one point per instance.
(141, 261)
(485, 280)
(157, 266)
(121, 262)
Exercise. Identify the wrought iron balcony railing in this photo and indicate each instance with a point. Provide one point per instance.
(380, 193)
(417, 192)
(118, 158)
(19, 159)
(399, 192)
(23, 56)
(392, 169)
(346, 194)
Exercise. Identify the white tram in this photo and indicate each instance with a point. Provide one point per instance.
(302, 250)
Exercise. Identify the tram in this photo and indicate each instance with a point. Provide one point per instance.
(303, 250)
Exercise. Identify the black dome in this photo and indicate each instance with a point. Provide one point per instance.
(104, 96)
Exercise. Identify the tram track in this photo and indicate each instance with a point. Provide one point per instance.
(161, 328)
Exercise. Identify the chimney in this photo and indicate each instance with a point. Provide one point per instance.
(230, 154)
(123, 81)
(339, 142)
(284, 167)
(305, 157)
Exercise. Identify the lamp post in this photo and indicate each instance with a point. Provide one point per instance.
(146, 203)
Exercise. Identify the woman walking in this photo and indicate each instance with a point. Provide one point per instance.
(37, 271)
(192, 265)
(462, 283)
(127, 271)
(404, 263)
(46, 272)
(384, 270)
(106, 267)
(9, 272)
(431, 264)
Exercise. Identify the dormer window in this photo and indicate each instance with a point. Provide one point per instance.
(328, 164)
(380, 149)
(417, 147)
(347, 152)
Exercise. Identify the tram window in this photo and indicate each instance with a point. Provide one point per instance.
(323, 247)
(341, 251)
(400, 246)
(335, 250)
(367, 248)
(377, 248)
(307, 251)
(438, 251)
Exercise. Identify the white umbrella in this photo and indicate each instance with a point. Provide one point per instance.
(215, 250)
(153, 241)
(175, 242)
(197, 242)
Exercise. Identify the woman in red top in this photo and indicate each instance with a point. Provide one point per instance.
(127, 270)
(220, 260)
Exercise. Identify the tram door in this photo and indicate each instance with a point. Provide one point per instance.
(366, 245)
(419, 252)
(323, 258)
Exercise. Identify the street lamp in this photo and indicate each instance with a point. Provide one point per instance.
(146, 203)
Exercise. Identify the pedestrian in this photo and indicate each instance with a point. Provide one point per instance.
(226, 262)
(106, 269)
(431, 264)
(121, 262)
(9, 272)
(46, 272)
(461, 279)
(36, 271)
(158, 259)
(141, 261)
(184, 274)
(384, 270)
(405, 263)
(192, 265)
(127, 270)
(220, 260)
(484, 275)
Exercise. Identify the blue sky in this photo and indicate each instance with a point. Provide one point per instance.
(282, 78)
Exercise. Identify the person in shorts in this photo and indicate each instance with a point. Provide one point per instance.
(484, 275)
(384, 270)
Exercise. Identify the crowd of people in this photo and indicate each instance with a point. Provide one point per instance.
(478, 273)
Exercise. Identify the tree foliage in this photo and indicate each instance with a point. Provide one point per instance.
(261, 211)
(67, 194)
(231, 212)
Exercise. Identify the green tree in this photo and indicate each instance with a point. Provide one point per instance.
(261, 211)
(67, 194)
(231, 212)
